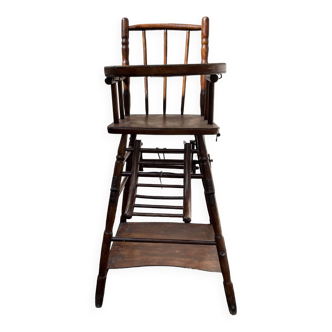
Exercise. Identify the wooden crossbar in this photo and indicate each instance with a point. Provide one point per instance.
(163, 26)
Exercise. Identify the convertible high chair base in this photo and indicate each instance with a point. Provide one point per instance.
(135, 244)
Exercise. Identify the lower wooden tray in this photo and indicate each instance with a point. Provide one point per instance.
(136, 254)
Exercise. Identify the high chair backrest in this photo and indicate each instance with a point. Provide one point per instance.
(126, 28)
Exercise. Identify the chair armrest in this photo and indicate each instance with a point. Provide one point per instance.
(165, 70)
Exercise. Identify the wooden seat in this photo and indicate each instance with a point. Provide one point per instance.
(158, 124)
(197, 246)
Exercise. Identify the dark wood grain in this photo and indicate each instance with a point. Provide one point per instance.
(206, 100)
(157, 124)
(163, 26)
(166, 70)
(166, 230)
(115, 104)
(212, 207)
(187, 184)
(198, 246)
(124, 255)
(120, 100)
(158, 197)
(204, 57)
(211, 103)
(128, 169)
(145, 61)
(125, 62)
(165, 78)
(163, 175)
(186, 53)
(144, 240)
(133, 181)
(112, 206)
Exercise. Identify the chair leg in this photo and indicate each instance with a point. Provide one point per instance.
(215, 221)
(128, 169)
(112, 205)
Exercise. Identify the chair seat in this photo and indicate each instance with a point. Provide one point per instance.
(158, 124)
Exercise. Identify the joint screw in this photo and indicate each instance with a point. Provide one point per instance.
(222, 253)
(233, 306)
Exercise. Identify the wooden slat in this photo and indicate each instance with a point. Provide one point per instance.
(157, 174)
(166, 166)
(163, 26)
(129, 239)
(166, 70)
(164, 175)
(158, 197)
(149, 185)
(163, 150)
(206, 99)
(166, 230)
(115, 104)
(120, 100)
(159, 215)
(211, 100)
(131, 254)
(162, 161)
(165, 78)
(158, 124)
(186, 52)
(146, 82)
(168, 207)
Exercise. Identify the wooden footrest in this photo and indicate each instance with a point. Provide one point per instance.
(125, 254)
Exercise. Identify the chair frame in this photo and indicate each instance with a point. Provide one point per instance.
(199, 238)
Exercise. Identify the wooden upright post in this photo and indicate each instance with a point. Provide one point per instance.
(125, 50)
(205, 45)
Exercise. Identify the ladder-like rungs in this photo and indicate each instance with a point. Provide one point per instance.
(169, 215)
(149, 206)
(173, 151)
(149, 185)
(158, 197)
(163, 175)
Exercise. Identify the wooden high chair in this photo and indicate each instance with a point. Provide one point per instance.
(197, 246)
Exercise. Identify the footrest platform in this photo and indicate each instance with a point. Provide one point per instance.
(129, 253)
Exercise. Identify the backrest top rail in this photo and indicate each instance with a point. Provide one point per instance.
(164, 26)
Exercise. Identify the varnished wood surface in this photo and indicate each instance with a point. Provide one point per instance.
(163, 26)
(187, 184)
(133, 181)
(204, 58)
(186, 53)
(166, 70)
(133, 254)
(165, 78)
(166, 230)
(157, 124)
(125, 62)
(112, 206)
